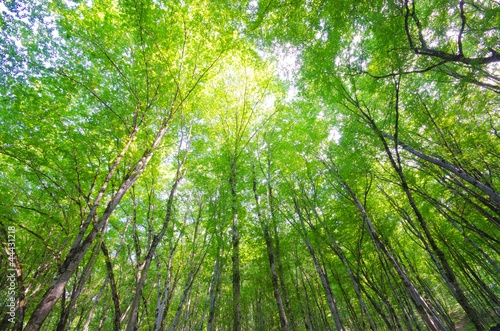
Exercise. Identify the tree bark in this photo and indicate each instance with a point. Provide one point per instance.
(429, 317)
(332, 304)
(236, 252)
(444, 266)
(77, 289)
(271, 212)
(270, 256)
(163, 295)
(112, 284)
(80, 248)
(495, 196)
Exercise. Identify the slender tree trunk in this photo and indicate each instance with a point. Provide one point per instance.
(213, 291)
(105, 283)
(144, 267)
(452, 220)
(495, 196)
(271, 212)
(79, 247)
(475, 282)
(104, 311)
(430, 294)
(308, 306)
(96, 301)
(214, 294)
(359, 324)
(324, 280)
(432, 320)
(444, 267)
(301, 308)
(378, 309)
(78, 288)
(163, 295)
(236, 252)
(112, 284)
(80, 320)
(336, 249)
(189, 281)
(259, 312)
(466, 196)
(372, 284)
(210, 289)
(270, 256)
(315, 313)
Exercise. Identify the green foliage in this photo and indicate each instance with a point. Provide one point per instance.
(88, 89)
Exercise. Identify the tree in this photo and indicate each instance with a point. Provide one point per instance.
(158, 138)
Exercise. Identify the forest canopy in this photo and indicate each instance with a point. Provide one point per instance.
(249, 165)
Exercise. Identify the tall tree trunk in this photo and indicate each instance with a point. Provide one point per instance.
(432, 321)
(336, 249)
(236, 252)
(79, 247)
(144, 267)
(308, 306)
(104, 311)
(378, 309)
(270, 255)
(105, 283)
(193, 271)
(210, 289)
(163, 294)
(436, 302)
(296, 286)
(271, 212)
(332, 304)
(112, 284)
(214, 293)
(444, 267)
(372, 284)
(259, 312)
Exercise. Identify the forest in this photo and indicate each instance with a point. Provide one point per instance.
(249, 165)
